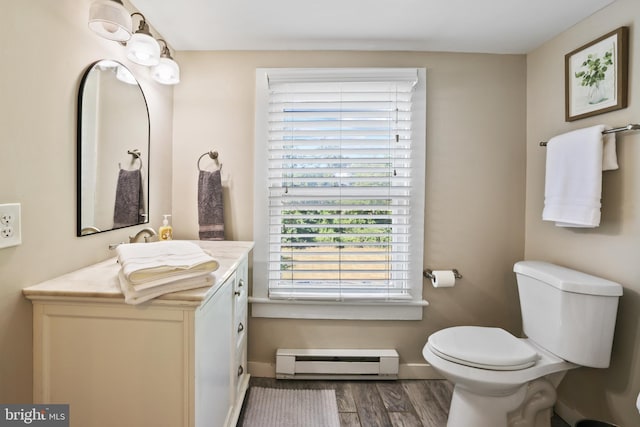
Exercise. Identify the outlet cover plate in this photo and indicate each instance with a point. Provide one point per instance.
(10, 225)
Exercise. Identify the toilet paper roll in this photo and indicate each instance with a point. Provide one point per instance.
(443, 279)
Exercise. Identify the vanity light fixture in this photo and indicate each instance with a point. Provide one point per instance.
(110, 19)
(142, 48)
(167, 70)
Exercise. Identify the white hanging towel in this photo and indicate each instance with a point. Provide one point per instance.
(573, 179)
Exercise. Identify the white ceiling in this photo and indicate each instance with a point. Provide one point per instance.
(488, 26)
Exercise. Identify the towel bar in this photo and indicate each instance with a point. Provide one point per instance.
(633, 126)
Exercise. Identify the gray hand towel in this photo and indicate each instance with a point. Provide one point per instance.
(128, 203)
(210, 207)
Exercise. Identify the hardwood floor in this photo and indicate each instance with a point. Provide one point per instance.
(403, 403)
(406, 403)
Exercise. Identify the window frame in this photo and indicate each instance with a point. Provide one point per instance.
(262, 305)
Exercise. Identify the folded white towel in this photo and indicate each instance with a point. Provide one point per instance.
(162, 262)
(135, 296)
(609, 156)
(148, 284)
(573, 180)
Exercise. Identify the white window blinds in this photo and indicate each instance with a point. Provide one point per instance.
(342, 178)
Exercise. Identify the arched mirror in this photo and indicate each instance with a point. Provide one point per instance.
(113, 150)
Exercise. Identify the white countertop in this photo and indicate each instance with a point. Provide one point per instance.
(100, 281)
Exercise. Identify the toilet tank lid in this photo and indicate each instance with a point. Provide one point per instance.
(566, 279)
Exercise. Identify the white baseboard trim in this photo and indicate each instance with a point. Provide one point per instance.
(418, 371)
(407, 371)
(569, 415)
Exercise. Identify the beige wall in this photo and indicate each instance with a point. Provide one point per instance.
(477, 116)
(46, 47)
(474, 184)
(610, 250)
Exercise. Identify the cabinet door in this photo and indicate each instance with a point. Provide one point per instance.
(213, 358)
(114, 365)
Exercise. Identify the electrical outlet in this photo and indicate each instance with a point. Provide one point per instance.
(6, 232)
(10, 232)
(6, 218)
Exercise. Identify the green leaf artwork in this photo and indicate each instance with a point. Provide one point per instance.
(593, 72)
(596, 69)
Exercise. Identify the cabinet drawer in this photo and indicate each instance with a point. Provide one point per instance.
(240, 343)
(242, 280)
(241, 372)
(240, 313)
(240, 298)
(241, 291)
(240, 332)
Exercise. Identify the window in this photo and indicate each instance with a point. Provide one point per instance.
(339, 193)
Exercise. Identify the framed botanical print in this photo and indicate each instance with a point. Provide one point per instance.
(596, 76)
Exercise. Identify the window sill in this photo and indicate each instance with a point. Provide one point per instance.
(287, 309)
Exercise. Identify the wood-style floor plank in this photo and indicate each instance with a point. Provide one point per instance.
(403, 403)
(394, 397)
(404, 419)
(371, 410)
(344, 397)
(430, 400)
(349, 419)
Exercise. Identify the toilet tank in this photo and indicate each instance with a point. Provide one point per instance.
(569, 313)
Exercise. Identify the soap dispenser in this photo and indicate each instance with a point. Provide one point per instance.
(166, 231)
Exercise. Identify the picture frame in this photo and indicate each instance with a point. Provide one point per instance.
(596, 76)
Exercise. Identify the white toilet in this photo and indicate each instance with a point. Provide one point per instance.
(500, 380)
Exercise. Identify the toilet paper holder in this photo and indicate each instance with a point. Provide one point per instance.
(428, 274)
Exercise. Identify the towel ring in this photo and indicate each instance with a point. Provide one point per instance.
(136, 155)
(214, 156)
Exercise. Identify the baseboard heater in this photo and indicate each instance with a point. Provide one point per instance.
(337, 364)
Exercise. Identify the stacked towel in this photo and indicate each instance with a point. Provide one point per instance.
(128, 204)
(210, 207)
(573, 180)
(133, 295)
(152, 269)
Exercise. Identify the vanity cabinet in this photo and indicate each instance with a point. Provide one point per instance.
(178, 360)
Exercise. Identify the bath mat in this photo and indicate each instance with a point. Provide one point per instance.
(271, 407)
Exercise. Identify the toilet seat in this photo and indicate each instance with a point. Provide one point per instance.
(482, 347)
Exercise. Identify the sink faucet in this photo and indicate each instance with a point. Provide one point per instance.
(146, 232)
